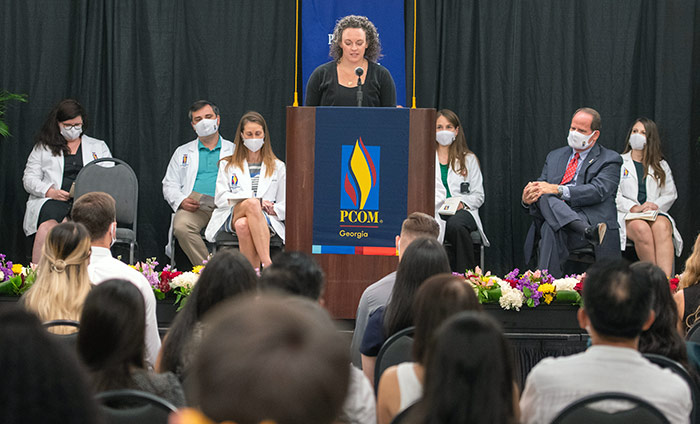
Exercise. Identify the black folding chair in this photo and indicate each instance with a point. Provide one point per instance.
(693, 334)
(121, 183)
(679, 369)
(68, 340)
(134, 407)
(395, 350)
(583, 412)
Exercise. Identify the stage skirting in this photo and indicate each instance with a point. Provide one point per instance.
(534, 334)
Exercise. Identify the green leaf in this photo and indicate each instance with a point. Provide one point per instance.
(7, 288)
(159, 294)
(527, 292)
(530, 302)
(568, 296)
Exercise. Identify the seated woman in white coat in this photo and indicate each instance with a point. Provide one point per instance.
(458, 175)
(60, 152)
(250, 192)
(646, 184)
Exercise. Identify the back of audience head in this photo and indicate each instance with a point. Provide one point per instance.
(662, 337)
(460, 384)
(62, 277)
(417, 224)
(41, 380)
(111, 341)
(617, 303)
(691, 272)
(424, 258)
(294, 273)
(268, 359)
(226, 275)
(97, 211)
(438, 298)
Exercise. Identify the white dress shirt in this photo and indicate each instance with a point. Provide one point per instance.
(104, 267)
(555, 383)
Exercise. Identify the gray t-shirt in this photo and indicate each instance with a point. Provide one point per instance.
(373, 297)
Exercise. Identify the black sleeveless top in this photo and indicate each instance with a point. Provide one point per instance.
(691, 301)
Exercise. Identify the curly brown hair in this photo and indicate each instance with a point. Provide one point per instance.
(373, 51)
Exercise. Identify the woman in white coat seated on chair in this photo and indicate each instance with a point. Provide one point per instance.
(458, 175)
(646, 184)
(60, 152)
(250, 192)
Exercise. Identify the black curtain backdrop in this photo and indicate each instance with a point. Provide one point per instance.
(514, 71)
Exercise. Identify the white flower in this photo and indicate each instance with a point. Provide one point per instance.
(2, 276)
(511, 299)
(565, 283)
(186, 280)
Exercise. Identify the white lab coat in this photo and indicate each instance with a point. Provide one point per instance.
(181, 174)
(628, 190)
(272, 188)
(474, 199)
(44, 170)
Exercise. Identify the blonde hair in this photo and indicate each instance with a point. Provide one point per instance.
(62, 281)
(241, 152)
(691, 272)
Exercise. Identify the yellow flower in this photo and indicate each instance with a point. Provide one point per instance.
(547, 290)
(17, 268)
(197, 269)
(134, 266)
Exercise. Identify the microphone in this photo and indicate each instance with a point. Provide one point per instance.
(359, 71)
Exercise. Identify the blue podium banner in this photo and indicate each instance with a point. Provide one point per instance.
(360, 179)
(318, 19)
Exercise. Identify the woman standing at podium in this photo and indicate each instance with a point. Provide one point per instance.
(250, 192)
(355, 47)
(459, 177)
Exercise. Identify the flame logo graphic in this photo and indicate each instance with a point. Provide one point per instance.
(361, 176)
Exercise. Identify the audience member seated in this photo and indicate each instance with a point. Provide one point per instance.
(468, 375)
(61, 150)
(439, 298)
(250, 192)
(298, 274)
(226, 275)
(458, 175)
(267, 359)
(41, 381)
(294, 273)
(189, 184)
(62, 281)
(97, 211)
(688, 295)
(424, 258)
(416, 225)
(646, 185)
(618, 306)
(110, 342)
(663, 337)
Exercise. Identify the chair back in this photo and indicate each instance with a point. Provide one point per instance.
(70, 341)
(679, 369)
(395, 350)
(134, 407)
(693, 334)
(582, 411)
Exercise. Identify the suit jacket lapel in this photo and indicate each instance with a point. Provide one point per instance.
(590, 159)
(561, 165)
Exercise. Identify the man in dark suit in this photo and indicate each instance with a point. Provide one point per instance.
(573, 201)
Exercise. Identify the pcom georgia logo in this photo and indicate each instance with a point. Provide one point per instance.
(359, 185)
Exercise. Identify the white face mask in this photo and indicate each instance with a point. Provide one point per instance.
(71, 133)
(445, 138)
(253, 144)
(637, 141)
(206, 127)
(579, 141)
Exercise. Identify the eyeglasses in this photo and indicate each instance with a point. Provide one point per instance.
(71, 127)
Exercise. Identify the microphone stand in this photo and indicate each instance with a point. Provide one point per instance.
(359, 90)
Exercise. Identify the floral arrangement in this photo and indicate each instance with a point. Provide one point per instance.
(530, 288)
(169, 280)
(15, 279)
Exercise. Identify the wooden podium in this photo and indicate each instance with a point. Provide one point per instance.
(347, 276)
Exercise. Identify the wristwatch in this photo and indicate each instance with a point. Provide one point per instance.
(560, 191)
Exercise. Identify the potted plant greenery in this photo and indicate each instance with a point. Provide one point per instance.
(6, 96)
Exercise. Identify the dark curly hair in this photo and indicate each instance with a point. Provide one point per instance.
(373, 51)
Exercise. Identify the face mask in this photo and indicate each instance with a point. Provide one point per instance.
(206, 127)
(253, 144)
(445, 138)
(579, 141)
(71, 133)
(637, 141)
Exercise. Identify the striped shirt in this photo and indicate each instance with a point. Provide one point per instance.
(254, 176)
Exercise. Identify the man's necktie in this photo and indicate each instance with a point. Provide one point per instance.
(570, 169)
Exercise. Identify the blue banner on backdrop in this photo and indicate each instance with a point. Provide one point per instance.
(318, 19)
(360, 179)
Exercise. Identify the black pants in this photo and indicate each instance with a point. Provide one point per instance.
(458, 240)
